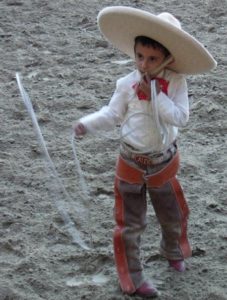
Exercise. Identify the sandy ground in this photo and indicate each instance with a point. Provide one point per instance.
(68, 71)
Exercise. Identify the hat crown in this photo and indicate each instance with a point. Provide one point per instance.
(121, 24)
(167, 17)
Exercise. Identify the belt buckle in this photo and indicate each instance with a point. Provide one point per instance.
(144, 160)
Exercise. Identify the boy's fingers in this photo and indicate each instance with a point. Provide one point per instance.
(79, 129)
(147, 78)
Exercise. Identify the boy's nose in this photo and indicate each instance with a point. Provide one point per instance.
(144, 65)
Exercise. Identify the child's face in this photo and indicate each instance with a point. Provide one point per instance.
(148, 58)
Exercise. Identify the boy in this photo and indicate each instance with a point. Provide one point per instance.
(150, 103)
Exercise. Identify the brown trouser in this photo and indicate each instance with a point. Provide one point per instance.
(131, 185)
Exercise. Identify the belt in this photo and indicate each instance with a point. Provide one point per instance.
(132, 175)
(148, 159)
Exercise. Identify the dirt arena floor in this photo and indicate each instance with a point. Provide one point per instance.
(69, 70)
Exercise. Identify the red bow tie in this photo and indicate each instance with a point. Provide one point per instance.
(163, 86)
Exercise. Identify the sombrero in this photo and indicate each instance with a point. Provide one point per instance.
(120, 25)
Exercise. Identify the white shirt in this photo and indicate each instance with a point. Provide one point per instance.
(138, 125)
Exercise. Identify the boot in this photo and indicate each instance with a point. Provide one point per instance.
(147, 290)
(178, 265)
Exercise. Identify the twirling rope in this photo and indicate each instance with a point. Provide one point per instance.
(70, 226)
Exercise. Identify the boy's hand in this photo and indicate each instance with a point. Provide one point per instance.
(79, 129)
(145, 86)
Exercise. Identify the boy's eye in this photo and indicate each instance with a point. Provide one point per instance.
(139, 56)
(152, 59)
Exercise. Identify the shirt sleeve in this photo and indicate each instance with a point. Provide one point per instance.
(110, 115)
(174, 108)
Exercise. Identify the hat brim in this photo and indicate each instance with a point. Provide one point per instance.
(120, 25)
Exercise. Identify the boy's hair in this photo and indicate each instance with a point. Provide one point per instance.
(145, 41)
